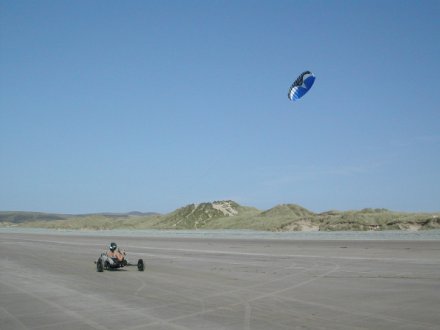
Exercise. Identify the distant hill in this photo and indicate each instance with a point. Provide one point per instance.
(22, 217)
(287, 210)
(195, 216)
(17, 217)
(230, 215)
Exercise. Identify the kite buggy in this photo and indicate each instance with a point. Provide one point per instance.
(114, 259)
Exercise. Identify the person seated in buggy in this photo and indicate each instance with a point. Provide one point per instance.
(115, 256)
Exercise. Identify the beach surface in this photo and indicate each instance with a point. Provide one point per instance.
(48, 280)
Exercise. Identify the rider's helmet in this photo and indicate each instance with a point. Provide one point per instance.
(113, 246)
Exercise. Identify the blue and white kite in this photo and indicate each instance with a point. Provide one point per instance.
(301, 85)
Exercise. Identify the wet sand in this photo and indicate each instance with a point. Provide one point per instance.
(49, 281)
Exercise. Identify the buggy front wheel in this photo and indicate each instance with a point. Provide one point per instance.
(140, 265)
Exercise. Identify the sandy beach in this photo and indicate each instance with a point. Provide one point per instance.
(49, 281)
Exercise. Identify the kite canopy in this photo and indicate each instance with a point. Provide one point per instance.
(301, 85)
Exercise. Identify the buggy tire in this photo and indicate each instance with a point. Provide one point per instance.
(99, 266)
(140, 265)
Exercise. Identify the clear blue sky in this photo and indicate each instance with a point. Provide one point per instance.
(152, 105)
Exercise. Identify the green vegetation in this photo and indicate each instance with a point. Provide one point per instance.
(230, 215)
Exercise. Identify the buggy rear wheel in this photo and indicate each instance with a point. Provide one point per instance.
(99, 266)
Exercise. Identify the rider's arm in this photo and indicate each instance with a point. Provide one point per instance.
(120, 255)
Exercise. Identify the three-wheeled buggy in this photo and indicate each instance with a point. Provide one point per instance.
(105, 262)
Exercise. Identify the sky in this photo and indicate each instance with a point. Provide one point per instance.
(110, 106)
